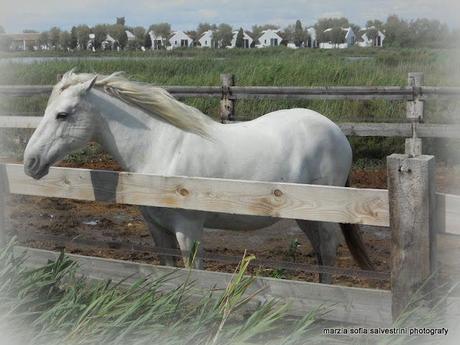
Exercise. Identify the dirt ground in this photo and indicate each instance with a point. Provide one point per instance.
(118, 231)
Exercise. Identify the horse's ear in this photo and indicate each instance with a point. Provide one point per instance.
(68, 74)
(88, 85)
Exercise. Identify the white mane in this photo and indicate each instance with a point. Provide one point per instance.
(153, 100)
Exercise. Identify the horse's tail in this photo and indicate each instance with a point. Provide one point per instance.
(355, 243)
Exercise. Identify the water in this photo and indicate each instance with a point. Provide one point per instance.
(40, 59)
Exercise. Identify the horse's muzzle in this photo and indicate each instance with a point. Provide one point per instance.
(34, 168)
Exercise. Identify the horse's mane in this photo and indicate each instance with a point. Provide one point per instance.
(153, 100)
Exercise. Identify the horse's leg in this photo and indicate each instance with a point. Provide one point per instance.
(187, 234)
(162, 237)
(323, 238)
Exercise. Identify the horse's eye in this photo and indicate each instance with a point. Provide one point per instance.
(62, 115)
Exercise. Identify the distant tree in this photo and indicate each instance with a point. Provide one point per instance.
(73, 38)
(64, 40)
(203, 27)
(300, 35)
(372, 33)
(429, 33)
(378, 24)
(258, 29)
(397, 32)
(120, 21)
(288, 34)
(147, 41)
(53, 37)
(356, 28)
(194, 36)
(161, 29)
(139, 32)
(2, 30)
(118, 32)
(240, 39)
(224, 35)
(100, 32)
(82, 32)
(336, 35)
(44, 38)
(29, 31)
(329, 23)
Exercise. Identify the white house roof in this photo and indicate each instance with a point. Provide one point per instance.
(110, 38)
(154, 37)
(348, 31)
(207, 33)
(130, 35)
(179, 34)
(270, 33)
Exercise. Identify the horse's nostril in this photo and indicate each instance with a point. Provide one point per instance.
(32, 163)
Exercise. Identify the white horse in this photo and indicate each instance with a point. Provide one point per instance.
(147, 131)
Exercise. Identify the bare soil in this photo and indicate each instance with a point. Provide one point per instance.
(118, 231)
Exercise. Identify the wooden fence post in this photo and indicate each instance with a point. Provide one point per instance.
(411, 188)
(227, 103)
(3, 199)
(414, 113)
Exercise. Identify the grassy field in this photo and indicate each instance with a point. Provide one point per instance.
(271, 67)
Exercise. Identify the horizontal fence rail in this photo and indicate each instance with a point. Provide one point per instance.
(280, 200)
(344, 304)
(360, 129)
(273, 92)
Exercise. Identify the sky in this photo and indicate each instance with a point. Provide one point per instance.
(186, 14)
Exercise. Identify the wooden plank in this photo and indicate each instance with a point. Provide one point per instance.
(281, 200)
(356, 305)
(362, 129)
(388, 92)
(25, 90)
(412, 221)
(20, 121)
(375, 129)
(448, 206)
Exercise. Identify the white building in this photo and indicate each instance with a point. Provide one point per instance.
(109, 43)
(206, 40)
(247, 40)
(269, 38)
(180, 39)
(158, 42)
(349, 39)
(130, 35)
(365, 41)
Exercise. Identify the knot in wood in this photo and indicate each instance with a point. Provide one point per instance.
(278, 193)
(183, 192)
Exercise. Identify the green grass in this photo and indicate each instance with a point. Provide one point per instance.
(53, 305)
(271, 67)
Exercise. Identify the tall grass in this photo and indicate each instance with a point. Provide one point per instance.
(53, 305)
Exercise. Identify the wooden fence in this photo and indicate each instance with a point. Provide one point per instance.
(409, 206)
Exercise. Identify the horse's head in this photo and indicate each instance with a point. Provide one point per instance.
(68, 125)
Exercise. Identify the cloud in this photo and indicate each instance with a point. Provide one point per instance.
(336, 14)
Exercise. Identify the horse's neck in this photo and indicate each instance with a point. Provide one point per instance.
(132, 137)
